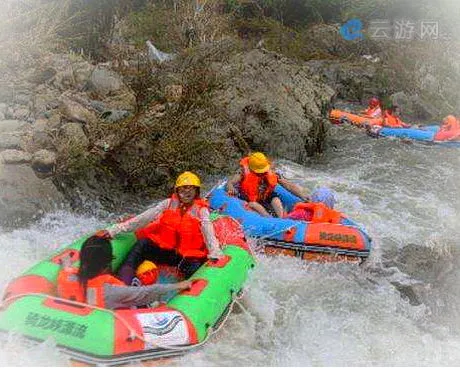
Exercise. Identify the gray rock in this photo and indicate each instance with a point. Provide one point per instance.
(24, 197)
(276, 102)
(10, 141)
(6, 94)
(40, 136)
(113, 116)
(73, 111)
(15, 157)
(42, 75)
(104, 81)
(22, 97)
(9, 126)
(82, 72)
(98, 106)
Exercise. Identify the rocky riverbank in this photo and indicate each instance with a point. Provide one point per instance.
(78, 132)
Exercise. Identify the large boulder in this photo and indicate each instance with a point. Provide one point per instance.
(107, 85)
(104, 81)
(74, 111)
(275, 103)
(25, 197)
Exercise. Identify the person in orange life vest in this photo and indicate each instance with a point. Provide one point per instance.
(255, 183)
(449, 130)
(320, 209)
(392, 120)
(374, 109)
(93, 283)
(177, 231)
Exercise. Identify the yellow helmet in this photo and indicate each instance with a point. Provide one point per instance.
(145, 266)
(188, 178)
(259, 163)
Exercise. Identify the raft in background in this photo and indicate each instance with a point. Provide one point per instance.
(99, 336)
(346, 241)
(425, 134)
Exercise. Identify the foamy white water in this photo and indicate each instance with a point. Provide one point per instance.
(325, 315)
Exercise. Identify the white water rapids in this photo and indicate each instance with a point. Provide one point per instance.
(406, 196)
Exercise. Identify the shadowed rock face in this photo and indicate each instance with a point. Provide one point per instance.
(25, 197)
(275, 103)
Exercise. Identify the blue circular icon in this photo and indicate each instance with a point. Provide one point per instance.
(351, 30)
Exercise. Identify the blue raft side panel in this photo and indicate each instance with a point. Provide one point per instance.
(411, 133)
(270, 228)
(426, 135)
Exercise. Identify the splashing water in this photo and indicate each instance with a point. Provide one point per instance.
(295, 313)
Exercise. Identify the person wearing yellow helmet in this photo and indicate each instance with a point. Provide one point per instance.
(177, 231)
(255, 182)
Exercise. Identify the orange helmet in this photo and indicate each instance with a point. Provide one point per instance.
(147, 273)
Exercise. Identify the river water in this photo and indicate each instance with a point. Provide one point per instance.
(399, 308)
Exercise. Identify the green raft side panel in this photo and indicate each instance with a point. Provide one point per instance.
(92, 333)
(205, 309)
(121, 245)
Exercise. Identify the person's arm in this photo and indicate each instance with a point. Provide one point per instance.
(209, 235)
(132, 296)
(294, 189)
(235, 179)
(139, 221)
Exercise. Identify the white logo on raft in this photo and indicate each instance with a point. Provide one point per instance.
(163, 328)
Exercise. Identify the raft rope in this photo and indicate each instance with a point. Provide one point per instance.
(132, 332)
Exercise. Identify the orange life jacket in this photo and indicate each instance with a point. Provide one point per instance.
(321, 213)
(450, 129)
(392, 121)
(69, 287)
(251, 182)
(179, 230)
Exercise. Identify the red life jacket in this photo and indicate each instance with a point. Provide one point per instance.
(251, 182)
(179, 230)
(321, 213)
(69, 287)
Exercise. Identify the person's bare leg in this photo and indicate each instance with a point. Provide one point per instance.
(278, 207)
(259, 209)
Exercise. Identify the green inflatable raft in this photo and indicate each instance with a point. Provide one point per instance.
(100, 336)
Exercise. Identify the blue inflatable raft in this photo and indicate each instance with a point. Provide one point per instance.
(311, 241)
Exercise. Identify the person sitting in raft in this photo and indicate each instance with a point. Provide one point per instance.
(93, 283)
(320, 209)
(177, 231)
(449, 130)
(256, 182)
(391, 118)
(374, 108)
